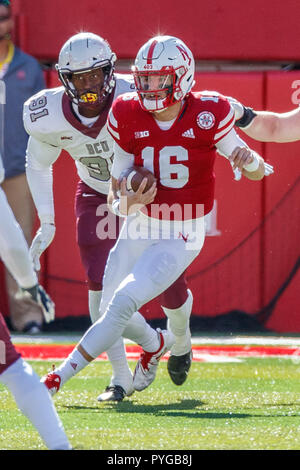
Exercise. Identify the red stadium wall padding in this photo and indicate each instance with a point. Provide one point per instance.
(52, 79)
(285, 317)
(213, 30)
(282, 197)
(282, 95)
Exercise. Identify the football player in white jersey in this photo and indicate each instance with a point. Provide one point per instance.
(15, 373)
(73, 117)
(174, 133)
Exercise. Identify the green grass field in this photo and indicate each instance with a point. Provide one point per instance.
(249, 405)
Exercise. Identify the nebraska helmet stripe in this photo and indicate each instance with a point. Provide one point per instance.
(150, 52)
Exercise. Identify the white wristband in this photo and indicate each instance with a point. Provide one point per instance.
(115, 207)
(253, 166)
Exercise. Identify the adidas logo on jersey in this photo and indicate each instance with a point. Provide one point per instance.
(189, 133)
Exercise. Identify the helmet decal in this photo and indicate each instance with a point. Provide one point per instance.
(184, 53)
(150, 52)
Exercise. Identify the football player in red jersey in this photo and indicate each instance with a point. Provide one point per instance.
(175, 134)
(73, 118)
(15, 373)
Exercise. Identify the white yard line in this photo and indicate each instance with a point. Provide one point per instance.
(207, 339)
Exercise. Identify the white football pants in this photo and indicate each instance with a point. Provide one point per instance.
(139, 268)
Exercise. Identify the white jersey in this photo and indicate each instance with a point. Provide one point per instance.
(49, 118)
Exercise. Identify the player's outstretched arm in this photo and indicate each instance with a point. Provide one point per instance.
(267, 126)
(39, 160)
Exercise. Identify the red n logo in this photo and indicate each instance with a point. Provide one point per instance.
(184, 54)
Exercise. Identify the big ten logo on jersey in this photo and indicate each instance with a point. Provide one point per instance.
(2, 352)
(211, 229)
(295, 98)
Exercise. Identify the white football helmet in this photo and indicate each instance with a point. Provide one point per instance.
(163, 72)
(82, 53)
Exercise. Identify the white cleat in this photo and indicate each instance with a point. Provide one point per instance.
(146, 367)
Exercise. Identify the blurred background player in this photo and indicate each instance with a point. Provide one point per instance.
(267, 126)
(187, 126)
(23, 77)
(73, 117)
(30, 395)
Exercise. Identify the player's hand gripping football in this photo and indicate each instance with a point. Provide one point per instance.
(131, 202)
(41, 241)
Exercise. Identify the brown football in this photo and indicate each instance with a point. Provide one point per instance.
(135, 175)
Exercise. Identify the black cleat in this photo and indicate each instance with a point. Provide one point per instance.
(112, 393)
(179, 366)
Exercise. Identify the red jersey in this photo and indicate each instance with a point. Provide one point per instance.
(181, 158)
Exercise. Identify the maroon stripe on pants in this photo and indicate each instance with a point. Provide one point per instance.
(90, 209)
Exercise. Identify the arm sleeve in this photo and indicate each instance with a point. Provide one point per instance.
(122, 160)
(13, 247)
(39, 160)
(227, 144)
(226, 122)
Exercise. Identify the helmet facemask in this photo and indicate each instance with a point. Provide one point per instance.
(165, 94)
(97, 93)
